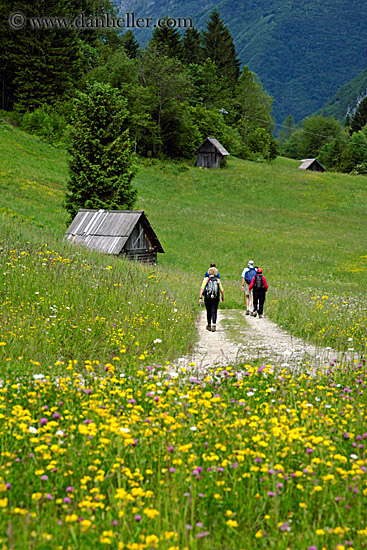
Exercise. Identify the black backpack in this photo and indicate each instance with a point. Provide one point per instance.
(212, 287)
(259, 284)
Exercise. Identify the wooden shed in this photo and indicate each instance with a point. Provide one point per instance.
(116, 232)
(312, 164)
(210, 153)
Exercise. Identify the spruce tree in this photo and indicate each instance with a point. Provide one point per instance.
(7, 65)
(167, 40)
(219, 47)
(130, 44)
(100, 166)
(192, 51)
(360, 117)
(46, 61)
(43, 65)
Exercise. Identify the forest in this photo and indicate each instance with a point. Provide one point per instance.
(181, 87)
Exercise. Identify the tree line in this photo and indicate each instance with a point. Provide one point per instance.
(173, 93)
(339, 148)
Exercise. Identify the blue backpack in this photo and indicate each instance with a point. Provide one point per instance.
(250, 274)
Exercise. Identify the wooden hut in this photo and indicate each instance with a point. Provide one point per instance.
(210, 153)
(116, 232)
(312, 164)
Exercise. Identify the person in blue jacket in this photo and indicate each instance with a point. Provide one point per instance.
(212, 264)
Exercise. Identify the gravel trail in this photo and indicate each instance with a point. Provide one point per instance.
(245, 338)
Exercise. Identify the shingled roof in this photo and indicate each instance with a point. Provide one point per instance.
(108, 230)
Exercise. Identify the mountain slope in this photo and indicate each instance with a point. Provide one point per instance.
(302, 53)
(346, 99)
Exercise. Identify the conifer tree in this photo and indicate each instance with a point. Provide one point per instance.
(219, 47)
(167, 40)
(100, 166)
(192, 51)
(43, 64)
(46, 62)
(360, 117)
(130, 44)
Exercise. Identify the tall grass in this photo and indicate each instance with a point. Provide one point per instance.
(307, 230)
(60, 303)
(104, 443)
(235, 459)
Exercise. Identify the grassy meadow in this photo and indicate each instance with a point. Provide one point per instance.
(307, 230)
(118, 448)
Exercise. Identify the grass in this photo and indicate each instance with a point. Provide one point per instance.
(33, 175)
(235, 459)
(116, 447)
(60, 303)
(235, 326)
(307, 230)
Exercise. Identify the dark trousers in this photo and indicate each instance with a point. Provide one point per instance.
(259, 299)
(211, 305)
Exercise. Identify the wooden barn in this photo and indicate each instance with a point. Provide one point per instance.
(116, 232)
(210, 153)
(312, 164)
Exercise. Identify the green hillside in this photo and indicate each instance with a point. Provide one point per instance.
(307, 230)
(345, 100)
(302, 52)
(116, 444)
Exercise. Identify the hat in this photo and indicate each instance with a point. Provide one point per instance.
(251, 263)
(259, 270)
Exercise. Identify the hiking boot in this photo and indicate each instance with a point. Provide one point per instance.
(254, 313)
(208, 327)
(214, 328)
(260, 315)
(247, 312)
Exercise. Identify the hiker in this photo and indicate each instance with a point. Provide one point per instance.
(212, 264)
(211, 288)
(260, 288)
(247, 275)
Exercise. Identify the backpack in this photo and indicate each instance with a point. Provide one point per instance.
(259, 284)
(250, 274)
(212, 287)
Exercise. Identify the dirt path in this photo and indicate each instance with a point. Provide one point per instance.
(244, 338)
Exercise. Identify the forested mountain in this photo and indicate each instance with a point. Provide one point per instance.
(347, 98)
(301, 51)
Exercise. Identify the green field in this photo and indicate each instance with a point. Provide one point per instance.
(306, 230)
(104, 443)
